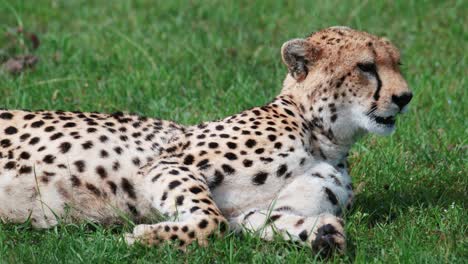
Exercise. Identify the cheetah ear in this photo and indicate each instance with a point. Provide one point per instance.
(297, 54)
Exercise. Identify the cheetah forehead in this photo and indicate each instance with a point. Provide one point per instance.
(342, 40)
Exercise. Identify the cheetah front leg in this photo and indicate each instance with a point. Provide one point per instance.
(305, 211)
(184, 197)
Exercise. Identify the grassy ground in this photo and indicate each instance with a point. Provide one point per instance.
(201, 60)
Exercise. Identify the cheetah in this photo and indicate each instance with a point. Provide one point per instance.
(275, 170)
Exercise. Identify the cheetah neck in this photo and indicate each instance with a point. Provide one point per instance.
(323, 138)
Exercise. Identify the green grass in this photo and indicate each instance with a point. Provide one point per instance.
(202, 60)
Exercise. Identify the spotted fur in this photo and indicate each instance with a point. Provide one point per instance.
(275, 169)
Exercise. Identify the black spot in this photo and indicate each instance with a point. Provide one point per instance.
(113, 186)
(259, 150)
(248, 214)
(101, 172)
(93, 189)
(11, 130)
(174, 172)
(266, 160)
(69, 124)
(203, 164)
(219, 127)
(250, 143)
(203, 224)
(230, 156)
(118, 150)
(37, 124)
(228, 169)
(75, 181)
(132, 209)
(195, 190)
(49, 129)
(260, 178)
(104, 154)
(273, 218)
(281, 170)
(25, 155)
(10, 165)
(247, 163)
(103, 138)
(80, 165)
(217, 179)
(49, 159)
(5, 143)
(115, 165)
(164, 196)
(174, 184)
(213, 145)
(289, 112)
(316, 174)
(231, 145)
(180, 200)
(24, 136)
(333, 118)
(25, 169)
(34, 141)
(128, 188)
(29, 117)
(188, 160)
(272, 138)
(331, 196)
(56, 136)
(6, 116)
(136, 162)
(64, 147)
(195, 208)
(87, 145)
(191, 234)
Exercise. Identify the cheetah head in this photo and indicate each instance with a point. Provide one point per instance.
(348, 78)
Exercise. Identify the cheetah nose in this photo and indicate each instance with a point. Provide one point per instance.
(402, 100)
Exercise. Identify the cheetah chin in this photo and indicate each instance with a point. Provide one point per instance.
(275, 170)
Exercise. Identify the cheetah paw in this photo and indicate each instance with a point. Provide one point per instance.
(329, 239)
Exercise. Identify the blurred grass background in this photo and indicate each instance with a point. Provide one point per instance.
(193, 61)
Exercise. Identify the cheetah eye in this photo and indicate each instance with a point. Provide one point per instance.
(367, 67)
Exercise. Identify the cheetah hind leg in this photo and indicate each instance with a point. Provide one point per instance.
(182, 195)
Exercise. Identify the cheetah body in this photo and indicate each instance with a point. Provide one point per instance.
(67, 172)
(276, 168)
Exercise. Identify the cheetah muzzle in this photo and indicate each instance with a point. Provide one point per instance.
(278, 169)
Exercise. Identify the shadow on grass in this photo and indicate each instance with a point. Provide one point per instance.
(386, 206)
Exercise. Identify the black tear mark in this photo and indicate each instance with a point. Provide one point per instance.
(379, 86)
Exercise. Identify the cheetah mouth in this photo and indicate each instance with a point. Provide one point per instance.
(387, 121)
